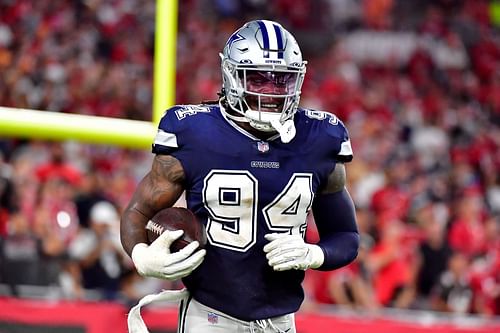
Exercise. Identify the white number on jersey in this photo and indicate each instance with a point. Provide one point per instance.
(190, 110)
(321, 115)
(231, 198)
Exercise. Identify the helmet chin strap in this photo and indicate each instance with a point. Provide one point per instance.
(286, 130)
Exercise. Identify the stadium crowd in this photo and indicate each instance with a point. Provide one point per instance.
(416, 82)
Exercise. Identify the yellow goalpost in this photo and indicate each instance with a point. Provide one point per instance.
(37, 124)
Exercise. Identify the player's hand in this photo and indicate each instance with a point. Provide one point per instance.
(286, 252)
(156, 260)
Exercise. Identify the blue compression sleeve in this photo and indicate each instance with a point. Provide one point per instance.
(335, 218)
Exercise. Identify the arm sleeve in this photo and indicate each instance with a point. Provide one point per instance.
(335, 218)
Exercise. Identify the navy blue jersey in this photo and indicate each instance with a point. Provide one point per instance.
(242, 188)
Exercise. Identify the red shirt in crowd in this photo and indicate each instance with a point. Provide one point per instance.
(467, 237)
(61, 171)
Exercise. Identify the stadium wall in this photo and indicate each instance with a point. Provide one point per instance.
(21, 315)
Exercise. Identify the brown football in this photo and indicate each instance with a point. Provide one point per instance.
(175, 218)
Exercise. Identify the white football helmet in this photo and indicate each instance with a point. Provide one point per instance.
(262, 76)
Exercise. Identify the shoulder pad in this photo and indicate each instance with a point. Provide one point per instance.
(178, 114)
(175, 124)
(333, 127)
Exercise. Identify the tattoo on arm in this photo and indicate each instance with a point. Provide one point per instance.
(165, 182)
(159, 189)
(336, 179)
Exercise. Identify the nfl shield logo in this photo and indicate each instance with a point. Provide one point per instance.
(213, 318)
(262, 146)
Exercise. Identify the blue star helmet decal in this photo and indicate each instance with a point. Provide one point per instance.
(236, 37)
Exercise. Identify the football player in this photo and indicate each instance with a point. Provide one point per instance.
(253, 166)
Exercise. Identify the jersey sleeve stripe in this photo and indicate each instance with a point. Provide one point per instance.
(345, 148)
(166, 139)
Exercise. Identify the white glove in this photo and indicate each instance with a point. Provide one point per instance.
(286, 252)
(156, 260)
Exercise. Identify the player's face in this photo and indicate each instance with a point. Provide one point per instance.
(269, 83)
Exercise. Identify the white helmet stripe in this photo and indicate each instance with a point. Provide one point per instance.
(273, 40)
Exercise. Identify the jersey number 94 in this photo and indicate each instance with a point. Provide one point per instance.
(231, 197)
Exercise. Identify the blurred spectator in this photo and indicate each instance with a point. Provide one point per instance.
(434, 23)
(377, 14)
(57, 167)
(20, 262)
(389, 262)
(453, 292)
(485, 277)
(434, 253)
(98, 252)
(89, 193)
(467, 231)
(392, 199)
(56, 221)
(8, 195)
(346, 14)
